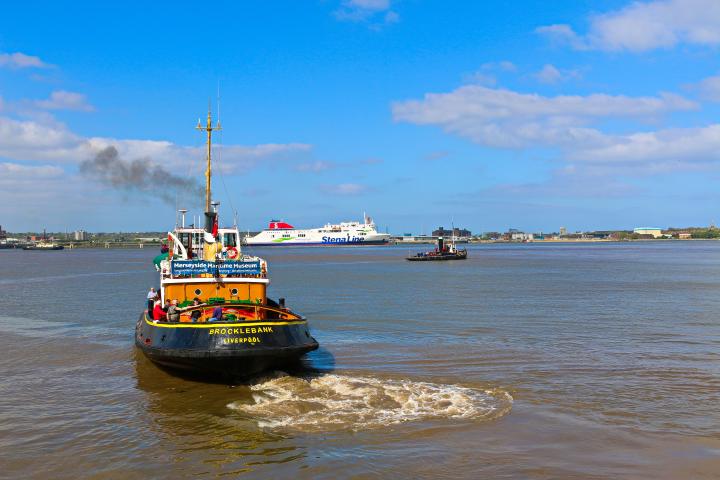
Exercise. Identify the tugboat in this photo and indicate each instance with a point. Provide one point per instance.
(225, 325)
(442, 252)
(43, 244)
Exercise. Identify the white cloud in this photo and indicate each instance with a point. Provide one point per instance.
(316, 166)
(504, 118)
(366, 10)
(29, 140)
(13, 172)
(561, 34)
(37, 196)
(369, 4)
(345, 189)
(20, 60)
(505, 66)
(486, 75)
(550, 74)
(64, 100)
(481, 78)
(709, 88)
(392, 17)
(38, 109)
(642, 26)
(36, 141)
(507, 119)
(669, 147)
(570, 181)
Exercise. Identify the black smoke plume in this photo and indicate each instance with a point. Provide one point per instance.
(140, 175)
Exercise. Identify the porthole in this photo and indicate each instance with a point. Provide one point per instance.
(234, 292)
(198, 292)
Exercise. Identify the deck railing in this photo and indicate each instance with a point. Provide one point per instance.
(257, 311)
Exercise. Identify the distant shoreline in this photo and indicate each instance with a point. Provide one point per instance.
(154, 245)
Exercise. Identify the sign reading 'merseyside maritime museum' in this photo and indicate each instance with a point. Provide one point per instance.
(198, 267)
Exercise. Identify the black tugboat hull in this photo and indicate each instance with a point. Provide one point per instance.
(438, 258)
(230, 350)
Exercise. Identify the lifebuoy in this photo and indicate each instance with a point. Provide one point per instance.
(232, 253)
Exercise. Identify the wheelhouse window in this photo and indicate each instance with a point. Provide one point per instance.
(186, 240)
(229, 239)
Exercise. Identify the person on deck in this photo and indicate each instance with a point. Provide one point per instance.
(173, 315)
(217, 315)
(196, 313)
(151, 299)
(158, 313)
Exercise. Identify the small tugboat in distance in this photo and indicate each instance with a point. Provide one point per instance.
(441, 253)
(43, 244)
(221, 322)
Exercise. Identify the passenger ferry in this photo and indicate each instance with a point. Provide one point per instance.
(345, 233)
(224, 323)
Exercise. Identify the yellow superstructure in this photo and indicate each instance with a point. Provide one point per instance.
(232, 289)
(210, 249)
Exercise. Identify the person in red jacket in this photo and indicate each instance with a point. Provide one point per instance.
(158, 312)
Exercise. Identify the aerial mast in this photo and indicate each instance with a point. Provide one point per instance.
(209, 214)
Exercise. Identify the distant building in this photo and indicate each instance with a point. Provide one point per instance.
(455, 232)
(80, 235)
(409, 238)
(563, 231)
(520, 236)
(525, 237)
(684, 235)
(655, 232)
(3, 233)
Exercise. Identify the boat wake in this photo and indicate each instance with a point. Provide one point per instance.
(339, 402)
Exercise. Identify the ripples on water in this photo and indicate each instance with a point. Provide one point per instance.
(529, 361)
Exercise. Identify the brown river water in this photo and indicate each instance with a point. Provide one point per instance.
(525, 361)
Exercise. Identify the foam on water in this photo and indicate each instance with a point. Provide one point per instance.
(335, 402)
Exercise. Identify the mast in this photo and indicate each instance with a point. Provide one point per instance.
(208, 170)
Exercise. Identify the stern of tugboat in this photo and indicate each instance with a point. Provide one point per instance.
(230, 349)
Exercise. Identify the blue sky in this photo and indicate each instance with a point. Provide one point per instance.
(497, 115)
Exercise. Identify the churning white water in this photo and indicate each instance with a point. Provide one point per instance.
(333, 402)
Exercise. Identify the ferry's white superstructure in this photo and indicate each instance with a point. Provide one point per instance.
(345, 233)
